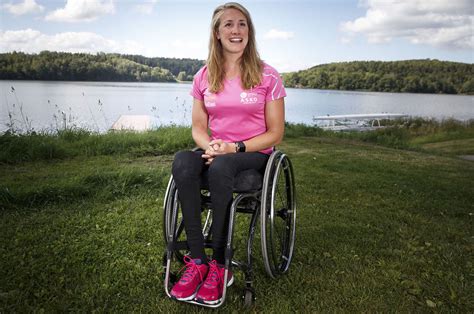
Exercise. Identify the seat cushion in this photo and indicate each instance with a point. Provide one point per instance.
(246, 181)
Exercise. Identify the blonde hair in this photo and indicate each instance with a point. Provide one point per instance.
(251, 65)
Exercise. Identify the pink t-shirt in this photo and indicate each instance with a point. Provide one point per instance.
(236, 114)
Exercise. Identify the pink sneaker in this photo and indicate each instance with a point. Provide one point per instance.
(212, 288)
(185, 289)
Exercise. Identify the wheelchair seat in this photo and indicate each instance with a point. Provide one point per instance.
(246, 181)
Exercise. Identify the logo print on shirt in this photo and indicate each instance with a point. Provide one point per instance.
(248, 98)
(209, 99)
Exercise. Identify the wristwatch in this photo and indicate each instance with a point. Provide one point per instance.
(239, 147)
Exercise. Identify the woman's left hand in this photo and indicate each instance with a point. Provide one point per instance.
(217, 147)
(220, 147)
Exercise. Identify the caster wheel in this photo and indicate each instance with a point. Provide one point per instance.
(249, 298)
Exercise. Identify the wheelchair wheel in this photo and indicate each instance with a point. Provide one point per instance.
(278, 214)
(249, 297)
(171, 208)
(167, 207)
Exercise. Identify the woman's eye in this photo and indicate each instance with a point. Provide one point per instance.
(243, 24)
(227, 25)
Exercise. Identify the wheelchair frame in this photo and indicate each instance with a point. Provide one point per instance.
(277, 249)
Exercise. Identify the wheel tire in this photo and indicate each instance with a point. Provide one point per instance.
(278, 215)
(171, 201)
(248, 298)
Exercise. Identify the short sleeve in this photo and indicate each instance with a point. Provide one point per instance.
(275, 88)
(197, 90)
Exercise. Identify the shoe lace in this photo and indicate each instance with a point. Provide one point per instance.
(190, 268)
(214, 274)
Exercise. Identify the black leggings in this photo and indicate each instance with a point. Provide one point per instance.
(188, 166)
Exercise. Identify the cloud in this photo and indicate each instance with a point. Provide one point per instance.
(82, 11)
(181, 48)
(345, 40)
(185, 44)
(289, 65)
(147, 7)
(25, 7)
(443, 23)
(33, 41)
(277, 34)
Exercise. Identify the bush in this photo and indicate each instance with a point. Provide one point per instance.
(298, 130)
(395, 137)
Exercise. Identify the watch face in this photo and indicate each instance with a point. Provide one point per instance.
(241, 146)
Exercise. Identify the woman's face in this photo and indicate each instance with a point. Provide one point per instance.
(233, 31)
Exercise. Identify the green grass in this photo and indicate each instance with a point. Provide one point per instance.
(380, 229)
(78, 142)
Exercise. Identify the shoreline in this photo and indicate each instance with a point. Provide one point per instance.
(287, 87)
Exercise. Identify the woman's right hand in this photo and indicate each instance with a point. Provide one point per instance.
(211, 152)
(217, 147)
(208, 155)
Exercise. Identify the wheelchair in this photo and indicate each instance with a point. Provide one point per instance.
(269, 196)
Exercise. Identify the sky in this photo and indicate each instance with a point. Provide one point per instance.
(291, 35)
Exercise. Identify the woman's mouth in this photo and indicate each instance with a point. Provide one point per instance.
(236, 40)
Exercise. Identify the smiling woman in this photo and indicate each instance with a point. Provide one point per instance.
(233, 31)
(239, 99)
(233, 34)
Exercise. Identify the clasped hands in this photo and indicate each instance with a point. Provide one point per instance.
(217, 147)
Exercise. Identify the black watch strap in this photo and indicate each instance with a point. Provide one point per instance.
(239, 147)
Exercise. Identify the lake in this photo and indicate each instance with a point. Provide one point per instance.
(96, 105)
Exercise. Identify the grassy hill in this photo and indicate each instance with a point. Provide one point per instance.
(382, 225)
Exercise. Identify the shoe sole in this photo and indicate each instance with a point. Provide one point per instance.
(231, 281)
(187, 298)
(191, 297)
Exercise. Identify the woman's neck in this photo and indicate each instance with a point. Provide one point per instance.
(232, 66)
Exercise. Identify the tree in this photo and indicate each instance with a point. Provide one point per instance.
(468, 87)
(417, 76)
(181, 76)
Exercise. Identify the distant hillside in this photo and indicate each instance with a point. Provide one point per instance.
(99, 67)
(176, 66)
(415, 76)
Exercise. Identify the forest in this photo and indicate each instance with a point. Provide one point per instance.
(412, 76)
(64, 66)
